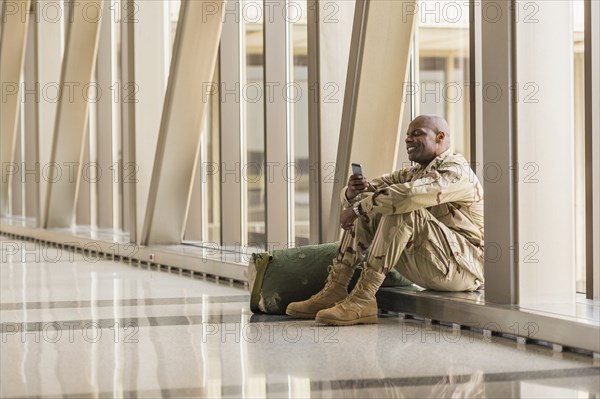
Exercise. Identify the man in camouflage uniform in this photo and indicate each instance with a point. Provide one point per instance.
(427, 219)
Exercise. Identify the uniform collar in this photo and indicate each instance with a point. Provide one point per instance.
(436, 162)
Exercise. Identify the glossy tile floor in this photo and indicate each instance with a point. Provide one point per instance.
(77, 327)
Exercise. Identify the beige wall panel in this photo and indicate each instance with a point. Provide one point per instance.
(12, 53)
(194, 57)
(71, 117)
(381, 92)
(546, 224)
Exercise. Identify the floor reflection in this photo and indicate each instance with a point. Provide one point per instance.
(80, 329)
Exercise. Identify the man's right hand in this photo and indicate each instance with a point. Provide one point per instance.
(356, 185)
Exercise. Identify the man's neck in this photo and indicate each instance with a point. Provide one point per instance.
(424, 164)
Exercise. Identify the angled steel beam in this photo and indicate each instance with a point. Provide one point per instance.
(375, 90)
(49, 57)
(192, 66)
(328, 52)
(15, 19)
(71, 115)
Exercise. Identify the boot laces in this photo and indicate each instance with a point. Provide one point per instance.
(330, 278)
(357, 288)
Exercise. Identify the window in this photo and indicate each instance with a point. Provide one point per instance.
(300, 97)
(253, 100)
(442, 70)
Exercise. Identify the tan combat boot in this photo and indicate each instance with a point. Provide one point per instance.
(335, 290)
(360, 307)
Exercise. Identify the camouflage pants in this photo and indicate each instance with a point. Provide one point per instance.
(418, 246)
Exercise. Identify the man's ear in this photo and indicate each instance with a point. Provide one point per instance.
(440, 136)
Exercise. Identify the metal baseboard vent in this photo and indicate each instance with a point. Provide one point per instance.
(490, 335)
(99, 252)
(491, 320)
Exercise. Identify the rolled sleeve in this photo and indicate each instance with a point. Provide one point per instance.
(346, 203)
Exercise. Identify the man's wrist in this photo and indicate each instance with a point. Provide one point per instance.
(346, 195)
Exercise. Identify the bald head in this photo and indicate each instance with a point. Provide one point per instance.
(435, 123)
(427, 137)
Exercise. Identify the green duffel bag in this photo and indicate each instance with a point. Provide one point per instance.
(295, 274)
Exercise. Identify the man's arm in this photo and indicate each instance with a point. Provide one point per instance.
(448, 184)
(396, 177)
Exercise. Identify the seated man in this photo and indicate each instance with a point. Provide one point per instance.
(428, 219)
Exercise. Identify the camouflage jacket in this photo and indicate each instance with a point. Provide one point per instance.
(447, 187)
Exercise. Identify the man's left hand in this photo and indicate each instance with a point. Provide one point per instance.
(347, 218)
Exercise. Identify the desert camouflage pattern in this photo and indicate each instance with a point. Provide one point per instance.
(426, 220)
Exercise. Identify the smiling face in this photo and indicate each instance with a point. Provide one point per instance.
(426, 138)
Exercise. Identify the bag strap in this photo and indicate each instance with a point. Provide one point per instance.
(261, 261)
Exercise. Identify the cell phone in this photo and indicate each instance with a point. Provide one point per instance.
(357, 169)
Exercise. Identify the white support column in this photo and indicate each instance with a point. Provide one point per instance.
(32, 96)
(545, 153)
(104, 125)
(192, 66)
(145, 86)
(475, 90)
(234, 213)
(501, 268)
(71, 115)
(83, 209)
(592, 147)
(16, 189)
(278, 144)
(374, 97)
(211, 188)
(193, 217)
(197, 218)
(329, 36)
(12, 54)
(128, 120)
